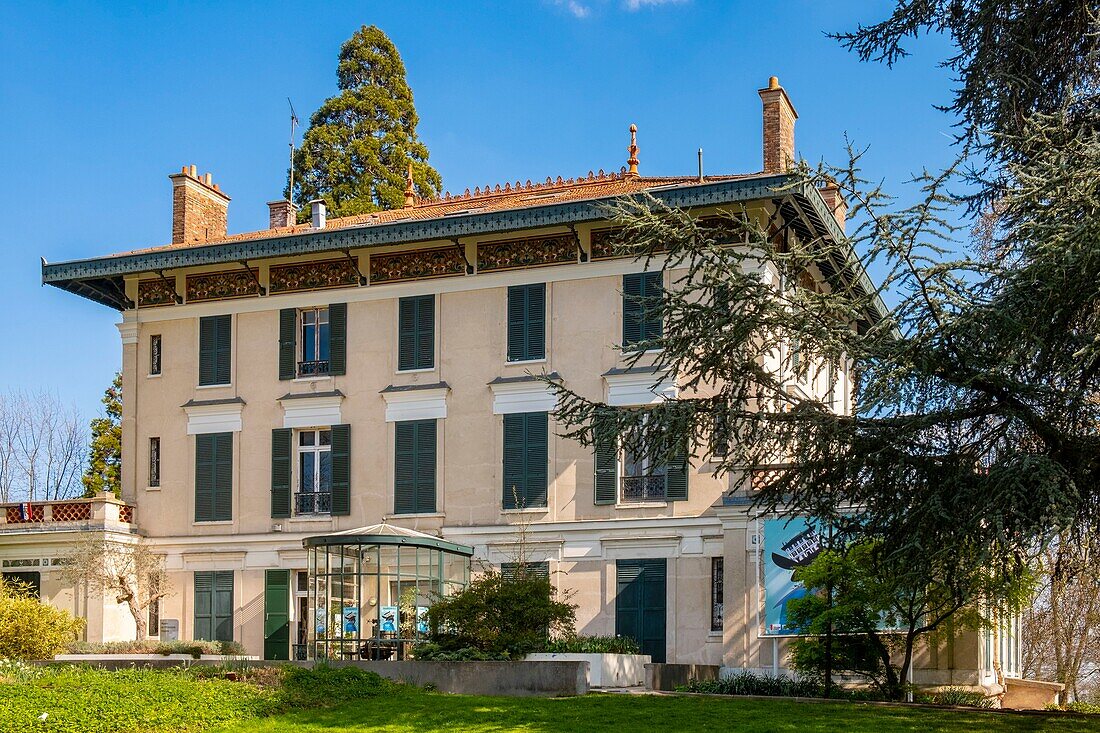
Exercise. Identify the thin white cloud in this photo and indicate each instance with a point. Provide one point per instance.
(574, 7)
(636, 5)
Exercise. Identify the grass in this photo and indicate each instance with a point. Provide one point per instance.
(331, 700)
(427, 712)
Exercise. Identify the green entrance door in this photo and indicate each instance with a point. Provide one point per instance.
(277, 614)
(640, 604)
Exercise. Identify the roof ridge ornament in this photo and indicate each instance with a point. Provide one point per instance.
(632, 161)
(410, 190)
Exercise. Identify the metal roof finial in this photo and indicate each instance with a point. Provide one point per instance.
(632, 161)
(410, 191)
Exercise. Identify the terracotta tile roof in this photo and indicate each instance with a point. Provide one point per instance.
(499, 198)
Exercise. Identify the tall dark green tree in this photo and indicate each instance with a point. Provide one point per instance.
(360, 143)
(104, 471)
(976, 432)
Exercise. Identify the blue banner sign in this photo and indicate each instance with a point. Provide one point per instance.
(788, 545)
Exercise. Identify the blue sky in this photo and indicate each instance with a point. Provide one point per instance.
(99, 103)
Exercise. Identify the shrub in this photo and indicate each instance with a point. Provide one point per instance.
(194, 648)
(324, 685)
(501, 615)
(747, 683)
(431, 652)
(30, 629)
(1087, 708)
(955, 696)
(593, 645)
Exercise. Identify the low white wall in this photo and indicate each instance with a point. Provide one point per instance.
(604, 670)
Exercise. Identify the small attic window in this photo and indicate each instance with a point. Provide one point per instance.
(551, 195)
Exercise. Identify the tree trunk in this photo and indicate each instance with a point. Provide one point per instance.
(140, 622)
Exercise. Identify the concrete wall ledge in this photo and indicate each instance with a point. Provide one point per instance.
(667, 677)
(604, 670)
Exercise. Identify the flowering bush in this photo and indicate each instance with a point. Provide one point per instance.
(30, 629)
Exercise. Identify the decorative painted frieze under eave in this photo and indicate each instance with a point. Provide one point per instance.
(416, 401)
(214, 416)
(312, 409)
(636, 386)
(526, 393)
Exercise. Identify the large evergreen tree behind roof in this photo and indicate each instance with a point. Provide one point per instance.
(357, 150)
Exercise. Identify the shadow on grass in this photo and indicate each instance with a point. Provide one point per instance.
(410, 710)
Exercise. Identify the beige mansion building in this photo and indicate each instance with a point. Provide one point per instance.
(315, 378)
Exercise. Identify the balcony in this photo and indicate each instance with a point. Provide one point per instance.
(640, 489)
(100, 512)
(313, 368)
(312, 502)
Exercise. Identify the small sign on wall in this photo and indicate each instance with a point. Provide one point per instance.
(169, 629)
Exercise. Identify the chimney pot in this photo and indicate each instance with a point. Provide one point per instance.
(194, 172)
(317, 207)
(834, 201)
(779, 119)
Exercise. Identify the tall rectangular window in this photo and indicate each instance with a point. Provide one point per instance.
(526, 436)
(314, 357)
(416, 333)
(642, 322)
(643, 475)
(213, 477)
(414, 467)
(214, 605)
(215, 349)
(154, 354)
(527, 322)
(314, 494)
(154, 462)
(717, 588)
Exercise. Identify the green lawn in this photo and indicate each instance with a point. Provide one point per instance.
(80, 700)
(426, 712)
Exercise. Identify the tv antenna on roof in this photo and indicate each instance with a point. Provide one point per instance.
(293, 125)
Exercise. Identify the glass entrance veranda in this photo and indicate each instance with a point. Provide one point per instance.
(370, 589)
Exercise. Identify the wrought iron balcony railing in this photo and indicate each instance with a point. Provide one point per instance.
(313, 368)
(636, 489)
(312, 502)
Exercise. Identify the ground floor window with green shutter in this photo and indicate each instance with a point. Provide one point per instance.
(414, 467)
(526, 435)
(214, 477)
(628, 473)
(214, 605)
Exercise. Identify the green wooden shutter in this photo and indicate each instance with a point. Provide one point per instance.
(288, 352)
(425, 332)
(277, 614)
(414, 467)
(536, 459)
(281, 456)
(425, 466)
(208, 328)
(223, 342)
(204, 478)
(213, 477)
(652, 292)
(204, 606)
(223, 605)
(632, 309)
(517, 323)
(607, 461)
(406, 334)
(515, 458)
(527, 322)
(676, 477)
(337, 338)
(341, 469)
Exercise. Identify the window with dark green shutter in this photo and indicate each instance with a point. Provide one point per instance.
(214, 605)
(416, 333)
(280, 472)
(527, 322)
(313, 341)
(215, 349)
(341, 470)
(642, 323)
(606, 488)
(540, 570)
(414, 467)
(525, 460)
(213, 477)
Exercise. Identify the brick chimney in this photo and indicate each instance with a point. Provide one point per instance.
(834, 201)
(199, 208)
(779, 117)
(281, 214)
